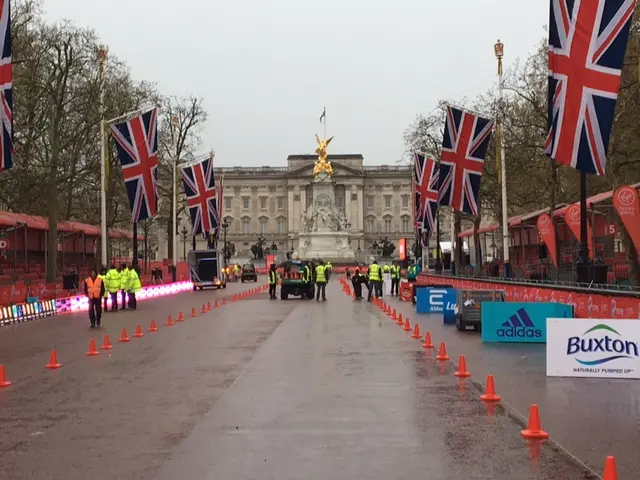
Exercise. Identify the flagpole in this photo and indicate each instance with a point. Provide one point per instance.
(102, 58)
(174, 193)
(325, 122)
(499, 51)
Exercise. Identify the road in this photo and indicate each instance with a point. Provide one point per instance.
(255, 389)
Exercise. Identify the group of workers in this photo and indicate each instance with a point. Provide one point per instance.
(375, 276)
(319, 272)
(99, 286)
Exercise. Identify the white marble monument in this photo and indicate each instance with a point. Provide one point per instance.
(323, 234)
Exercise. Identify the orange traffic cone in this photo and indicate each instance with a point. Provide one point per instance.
(138, 333)
(106, 344)
(152, 327)
(204, 308)
(407, 325)
(442, 355)
(53, 360)
(124, 338)
(3, 378)
(394, 315)
(427, 341)
(169, 321)
(416, 331)
(224, 301)
(180, 317)
(208, 306)
(534, 428)
(610, 470)
(92, 349)
(400, 320)
(193, 312)
(216, 305)
(490, 391)
(462, 368)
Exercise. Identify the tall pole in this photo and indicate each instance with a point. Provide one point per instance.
(584, 276)
(325, 122)
(102, 59)
(453, 241)
(499, 51)
(135, 245)
(174, 194)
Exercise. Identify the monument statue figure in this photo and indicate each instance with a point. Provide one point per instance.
(322, 165)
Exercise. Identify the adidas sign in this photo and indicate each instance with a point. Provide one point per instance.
(519, 326)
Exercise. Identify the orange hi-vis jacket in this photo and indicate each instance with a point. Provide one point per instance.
(94, 287)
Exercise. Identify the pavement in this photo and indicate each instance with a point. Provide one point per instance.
(255, 389)
(591, 418)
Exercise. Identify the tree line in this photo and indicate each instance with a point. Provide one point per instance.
(57, 128)
(534, 181)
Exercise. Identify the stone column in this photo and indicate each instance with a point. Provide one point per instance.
(290, 209)
(347, 205)
(360, 219)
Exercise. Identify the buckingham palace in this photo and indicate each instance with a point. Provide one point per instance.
(270, 201)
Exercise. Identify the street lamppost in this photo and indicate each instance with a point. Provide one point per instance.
(225, 250)
(184, 233)
(498, 49)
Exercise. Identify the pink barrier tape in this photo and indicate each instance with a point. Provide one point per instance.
(80, 303)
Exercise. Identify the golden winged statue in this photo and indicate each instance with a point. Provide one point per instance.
(322, 164)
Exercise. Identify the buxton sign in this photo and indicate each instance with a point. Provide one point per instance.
(593, 348)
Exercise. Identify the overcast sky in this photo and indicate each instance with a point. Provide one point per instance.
(266, 68)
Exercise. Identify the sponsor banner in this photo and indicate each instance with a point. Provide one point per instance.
(572, 217)
(627, 204)
(519, 322)
(547, 233)
(438, 300)
(598, 348)
(585, 305)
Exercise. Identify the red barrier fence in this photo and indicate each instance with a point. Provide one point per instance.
(586, 305)
(18, 293)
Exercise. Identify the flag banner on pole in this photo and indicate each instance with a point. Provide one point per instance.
(324, 114)
(587, 44)
(6, 87)
(200, 190)
(137, 144)
(464, 147)
(426, 180)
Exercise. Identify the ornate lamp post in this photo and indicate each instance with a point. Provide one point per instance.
(184, 234)
(498, 49)
(225, 227)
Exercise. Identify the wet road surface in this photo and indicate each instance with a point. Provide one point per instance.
(256, 389)
(592, 418)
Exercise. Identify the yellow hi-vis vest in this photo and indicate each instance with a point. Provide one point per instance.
(374, 272)
(320, 278)
(272, 277)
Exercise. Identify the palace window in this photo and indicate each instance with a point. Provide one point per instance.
(227, 203)
(369, 225)
(245, 225)
(263, 203)
(387, 201)
(282, 227)
(387, 225)
(281, 204)
(245, 203)
(405, 201)
(405, 224)
(369, 202)
(263, 226)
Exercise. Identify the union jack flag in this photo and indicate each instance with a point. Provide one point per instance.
(587, 43)
(6, 87)
(200, 190)
(426, 192)
(464, 146)
(137, 145)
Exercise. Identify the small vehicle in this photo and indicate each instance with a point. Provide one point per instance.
(248, 273)
(205, 270)
(292, 283)
(469, 307)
